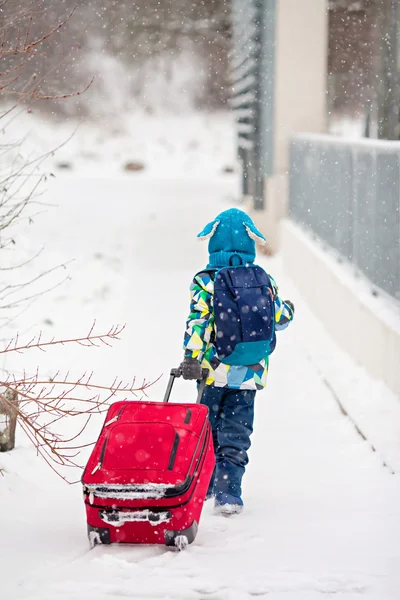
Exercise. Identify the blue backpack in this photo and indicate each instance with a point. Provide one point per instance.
(244, 312)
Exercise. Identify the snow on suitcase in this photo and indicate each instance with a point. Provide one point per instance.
(147, 477)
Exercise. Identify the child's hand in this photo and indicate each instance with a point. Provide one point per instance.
(191, 369)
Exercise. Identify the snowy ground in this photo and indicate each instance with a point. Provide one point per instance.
(322, 516)
(166, 144)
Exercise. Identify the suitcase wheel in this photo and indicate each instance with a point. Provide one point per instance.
(179, 540)
(98, 535)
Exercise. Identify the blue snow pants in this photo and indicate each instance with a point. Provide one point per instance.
(231, 414)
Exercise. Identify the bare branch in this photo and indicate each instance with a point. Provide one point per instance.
(28, 48)
(41, 405)
(88, 340)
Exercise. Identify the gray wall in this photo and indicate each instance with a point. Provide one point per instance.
(348, 193)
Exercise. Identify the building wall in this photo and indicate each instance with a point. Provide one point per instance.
(353, 57)
(300, 72)
(300, 77)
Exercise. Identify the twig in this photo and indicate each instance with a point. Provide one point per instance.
(43, 404)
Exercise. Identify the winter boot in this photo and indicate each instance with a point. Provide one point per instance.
(227, 488)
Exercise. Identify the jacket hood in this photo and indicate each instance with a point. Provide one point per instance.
(232, 239)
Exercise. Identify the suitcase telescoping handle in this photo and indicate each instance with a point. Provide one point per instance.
(177, 373)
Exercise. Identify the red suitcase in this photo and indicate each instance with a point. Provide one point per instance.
(147, 477)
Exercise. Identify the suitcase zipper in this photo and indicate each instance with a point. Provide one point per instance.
(183, 488)
(117, 416)
(101, 458)
(103, 450)
(174, 451)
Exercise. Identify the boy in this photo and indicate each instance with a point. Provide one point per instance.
(212, 341)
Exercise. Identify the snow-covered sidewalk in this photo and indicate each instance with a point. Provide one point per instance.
(322, 510)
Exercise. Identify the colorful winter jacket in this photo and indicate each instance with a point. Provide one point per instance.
(199, 335)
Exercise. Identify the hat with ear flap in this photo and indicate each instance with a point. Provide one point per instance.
(232, 238)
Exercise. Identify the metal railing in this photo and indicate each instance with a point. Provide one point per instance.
(348, 193)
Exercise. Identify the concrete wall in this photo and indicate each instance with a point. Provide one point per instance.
(367, 328)
(301, 34)
(300, 73)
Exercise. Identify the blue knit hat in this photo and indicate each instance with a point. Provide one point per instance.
(232, 237)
